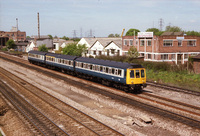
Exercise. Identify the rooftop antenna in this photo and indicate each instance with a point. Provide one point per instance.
(38, 25)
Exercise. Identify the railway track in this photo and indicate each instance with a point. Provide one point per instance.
(42, 124)
(173, 88)
(74, 121)
(178, 107)
(135, 103)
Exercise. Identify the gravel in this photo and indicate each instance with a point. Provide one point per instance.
(120, 117)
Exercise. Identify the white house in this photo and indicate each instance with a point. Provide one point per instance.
(30, 46)
(114, 48)
(102, 46)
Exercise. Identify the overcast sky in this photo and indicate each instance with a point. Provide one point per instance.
(103, 17)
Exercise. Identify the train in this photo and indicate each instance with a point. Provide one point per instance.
(129, 77)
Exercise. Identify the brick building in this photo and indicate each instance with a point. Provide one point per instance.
(196, 64)
(173, 47)
(14, 34)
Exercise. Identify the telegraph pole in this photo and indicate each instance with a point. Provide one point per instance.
(17, 28)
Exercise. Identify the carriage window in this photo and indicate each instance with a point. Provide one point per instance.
(137, 72)
(76, 64)
(101, 68)
(116, 71)
(132, 74)
(93, 67)
(106, 69)
(63, 61)
(82, 65)
(110, 70)
(69, 62)
(120, 72)
(142, 73)
(66, 62)
(113, 71)
(86, 65)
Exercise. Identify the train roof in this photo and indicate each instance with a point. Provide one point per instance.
(61, 56)
(109, 63)
(37, 52)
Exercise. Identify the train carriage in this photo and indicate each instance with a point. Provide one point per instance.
(59, 61)
(37, 57)
(122, 75)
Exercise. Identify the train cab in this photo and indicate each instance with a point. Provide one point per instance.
(136, 78)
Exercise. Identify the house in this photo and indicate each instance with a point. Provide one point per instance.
(31, 46)
(44, 39)
(196, 64)
(172, 47)
(102, 46)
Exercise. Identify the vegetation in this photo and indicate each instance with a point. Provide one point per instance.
(132, 32)
(132, 52)
(74, 50)
(65, 38)
(113, 35)
(155, 31)
(50, 36)
(10, 44)
(43, 48)
(173, 29)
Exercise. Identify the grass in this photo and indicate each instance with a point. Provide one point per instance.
(180, 79)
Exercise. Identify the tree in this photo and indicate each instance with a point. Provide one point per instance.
(65, 38)
(43, 48)
(132, 32)
(132, 52)
(74, 50)
(173, 29)
(193, 33)
(155, 31)
(117, 35)
(50, 36)
(111, 35)
(10, 44)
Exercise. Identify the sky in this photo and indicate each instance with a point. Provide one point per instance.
(100, 17)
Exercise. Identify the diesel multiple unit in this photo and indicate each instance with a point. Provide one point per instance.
(125, 76)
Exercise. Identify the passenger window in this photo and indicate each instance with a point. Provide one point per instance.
(132, 74)
(107, 69)
(104, 69)
(113, 71)
(119, 72)
(101, 68)
(110, 70)
(142, 73)
(116, 71)
(93, 67)
(137, 72)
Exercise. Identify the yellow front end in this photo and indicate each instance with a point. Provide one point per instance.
(136, 76)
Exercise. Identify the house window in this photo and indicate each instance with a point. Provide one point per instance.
(167, 43)
(179, 43)
(173, 56)
(94, 52)
(164, 57)
(191, 43)
(149, 56)
(141, 42)
(149, 43)
(131, 42)
(126, 42)
(112, 51)
(186, 56)
(100, 52)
